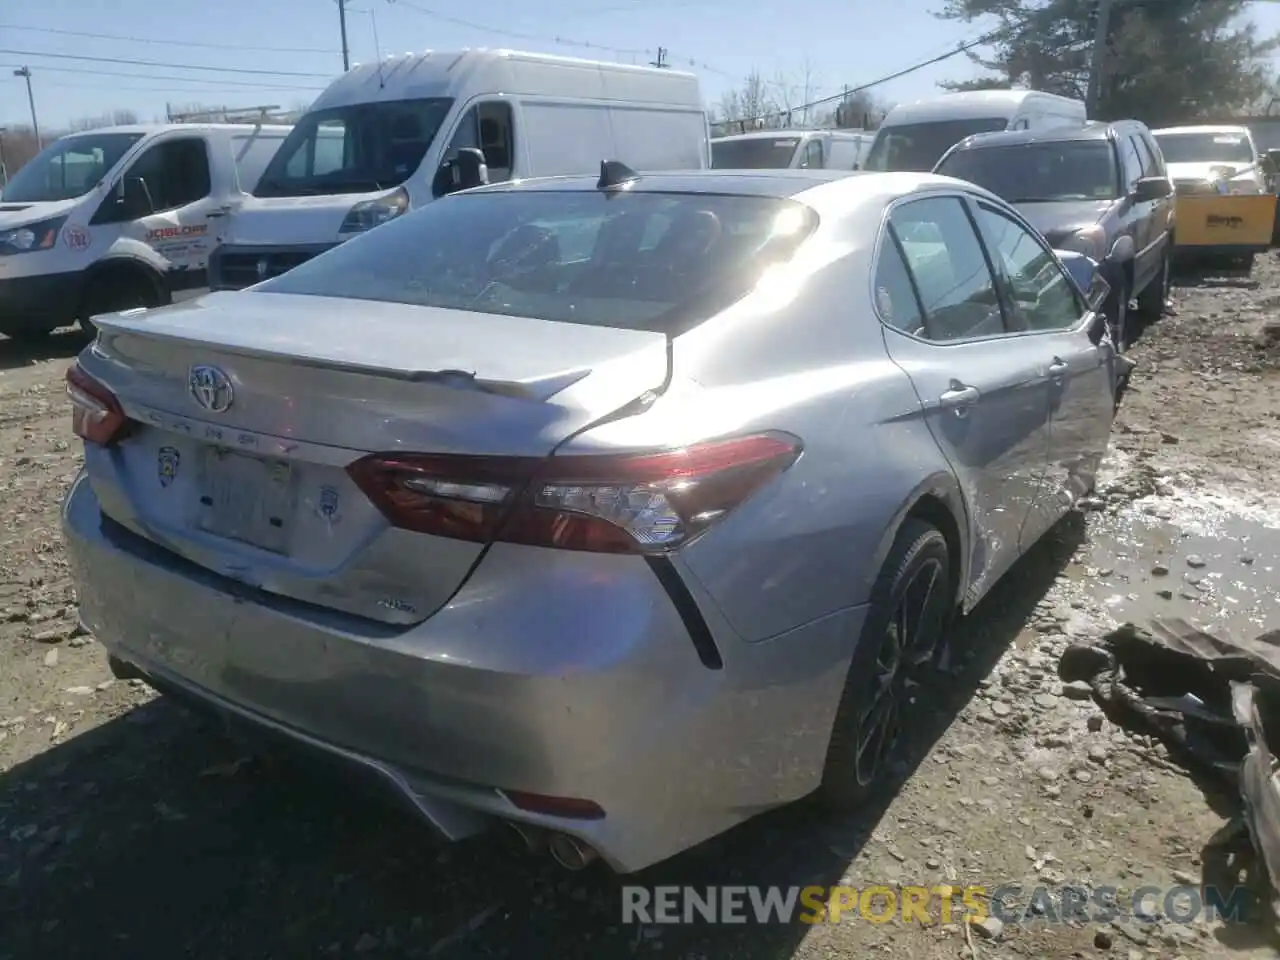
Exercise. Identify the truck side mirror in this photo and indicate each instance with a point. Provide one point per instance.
(464, 171)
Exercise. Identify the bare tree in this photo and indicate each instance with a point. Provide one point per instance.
(112, 118)
(752, 106)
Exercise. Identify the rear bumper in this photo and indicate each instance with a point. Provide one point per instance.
(553, 673)
(40, 302)
(236, 266)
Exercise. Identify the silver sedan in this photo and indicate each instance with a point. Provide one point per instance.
(619, 511)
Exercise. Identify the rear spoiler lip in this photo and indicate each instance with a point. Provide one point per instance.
(541, 388)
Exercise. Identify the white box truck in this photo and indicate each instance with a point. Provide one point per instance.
(914, 136)
(381, 138)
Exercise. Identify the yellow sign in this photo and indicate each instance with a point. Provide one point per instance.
(882, 904)
(1227, 220)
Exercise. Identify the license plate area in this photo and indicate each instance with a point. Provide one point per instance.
(245, 498)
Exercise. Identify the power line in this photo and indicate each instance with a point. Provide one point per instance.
(172, 66)
(668, 57)
(515, 34)
(843, 94)
(157, 77)
(142, 88)
(168, 43)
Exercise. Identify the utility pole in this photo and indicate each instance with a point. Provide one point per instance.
(25, 72)
(661, 60)
(342, 24)
(1098, 59)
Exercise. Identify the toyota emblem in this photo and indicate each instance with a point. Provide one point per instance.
(211, 388)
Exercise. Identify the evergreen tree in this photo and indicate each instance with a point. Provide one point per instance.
(1168, 61)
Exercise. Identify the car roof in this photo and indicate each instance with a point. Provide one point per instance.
(789, 133)
(1064, 134)
(782, 184)
(1225, 129)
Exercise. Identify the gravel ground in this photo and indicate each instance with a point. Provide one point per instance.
(129, 829)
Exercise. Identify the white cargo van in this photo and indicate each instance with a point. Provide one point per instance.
(791, 149)
(914, 136)
(120, 217)
(395, 127)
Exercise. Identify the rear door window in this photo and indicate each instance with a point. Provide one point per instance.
(949, 268)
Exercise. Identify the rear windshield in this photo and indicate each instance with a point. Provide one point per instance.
(639, 261)
(917, 147)
(1037, 172)
(1205, 147)
(755, 153)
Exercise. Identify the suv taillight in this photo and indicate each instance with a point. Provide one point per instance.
(96, 416)
(609, 503)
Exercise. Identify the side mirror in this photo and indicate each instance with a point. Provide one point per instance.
(464, 171)
(1152, 188)
(135, 199)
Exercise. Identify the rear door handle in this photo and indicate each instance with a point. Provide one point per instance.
(1057, 368)
(959, 398)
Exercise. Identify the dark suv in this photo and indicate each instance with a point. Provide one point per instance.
(1100, 189)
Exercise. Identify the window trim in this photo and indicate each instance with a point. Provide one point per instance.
(822, 153)
(966, 197)
(1036, 238)
(126, 169)
(463, 111)
(1145, 159)
(1126, 185)
(924, 314)
(167, 141)
(1157, 155)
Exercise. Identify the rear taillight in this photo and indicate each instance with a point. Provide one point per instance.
(96, 416)
(615, 503)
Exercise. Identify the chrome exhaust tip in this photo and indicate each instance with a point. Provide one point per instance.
(570, 852)
(532, 838)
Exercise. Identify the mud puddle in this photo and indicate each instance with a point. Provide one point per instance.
(1192, 549)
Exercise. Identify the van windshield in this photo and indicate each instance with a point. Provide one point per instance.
(1205, 147)
(354, 149)
(68, 168)
(916, 147)
(754, 153)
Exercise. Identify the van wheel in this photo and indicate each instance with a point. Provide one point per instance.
(110, 292)
(904, 628)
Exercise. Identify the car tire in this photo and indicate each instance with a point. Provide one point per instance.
(112, 291)
(1152, 300)
(1119, 318)
(905, 626)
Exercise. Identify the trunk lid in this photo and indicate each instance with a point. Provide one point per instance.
(253, 485)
